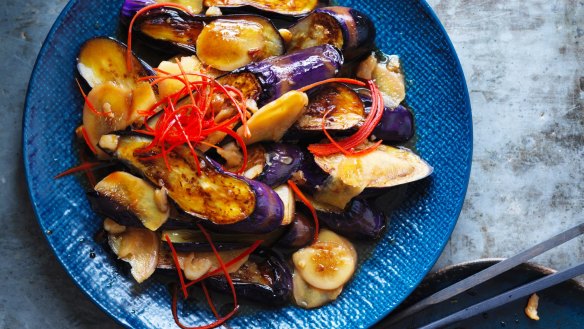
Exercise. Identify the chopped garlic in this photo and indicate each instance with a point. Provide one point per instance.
(531, 308)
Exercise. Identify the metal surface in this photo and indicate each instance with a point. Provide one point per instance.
(508, 297)
(524, 63)
(491, 272)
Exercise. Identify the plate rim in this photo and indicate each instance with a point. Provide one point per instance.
(467, 108)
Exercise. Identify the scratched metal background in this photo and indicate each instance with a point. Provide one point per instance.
(524, 64)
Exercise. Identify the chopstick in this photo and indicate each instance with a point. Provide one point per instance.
(509, 296)
(489, 273)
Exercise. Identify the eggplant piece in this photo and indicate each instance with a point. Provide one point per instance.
(300, 232)
(138, 247)
(345, 108)
(293, 8)
(309, 175)
(271, 78)
(131, 7)
(281, 161)
(231, 42)
(222, 199)
(271, 163)
(193, 240)
(396, 125)
(130, 201)
(168, 29)
(385, 167)
(103, 59)
(360, 220)
(345, 28)
(224, 43)
(265, 278)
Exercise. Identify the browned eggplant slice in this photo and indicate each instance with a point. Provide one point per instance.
(168, 29)
(225, 200)
(103, 59)
(269, 79)
(130, 200)
(293, 8)
(234, 41)
(345, 28)
(345, 108)
(385, 167)
(224, 43)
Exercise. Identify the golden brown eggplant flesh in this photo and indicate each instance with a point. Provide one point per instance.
(345, 28)
(293, 8)
(224, 200)
(103, 59)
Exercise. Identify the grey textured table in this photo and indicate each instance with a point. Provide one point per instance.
(524, 64)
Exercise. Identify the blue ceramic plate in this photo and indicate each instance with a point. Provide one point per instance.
(388, 271)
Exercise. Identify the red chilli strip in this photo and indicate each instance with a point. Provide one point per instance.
(209, 300)
(361, 135)
(131, 26)
(245, 253)
(89, 105)
(82, 167)
(307, 203)
(177, 265)
(221, 263)
(87, 141)
(174, 308)
(341, 80)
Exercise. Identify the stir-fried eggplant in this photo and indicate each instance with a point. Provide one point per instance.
(195, 240)
(131, 7)
(223, 199)
(130, 201)
(270, 163)
(103, 59)
(396, 125)
(296, 7)
(385, 167)
(342, 105)
(300, 232)
(345, 28)
(234, 41)
(224, 43)
(360, 220)
(264, 278)
(269, 79)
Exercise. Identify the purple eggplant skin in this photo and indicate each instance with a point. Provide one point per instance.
(282, 160)
(168, 30)
(346, 28)
(268, 209)
(309, 175)
(131, 7)
(360, 220)
(278, 75)
(108, 207)
(397, 125)
(300, 232)
(267, 215)
(276, 288)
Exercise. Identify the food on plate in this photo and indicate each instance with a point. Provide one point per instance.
(243, 158)
(531, 308)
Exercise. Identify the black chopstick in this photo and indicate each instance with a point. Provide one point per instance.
(509, 296)
(489, 273)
